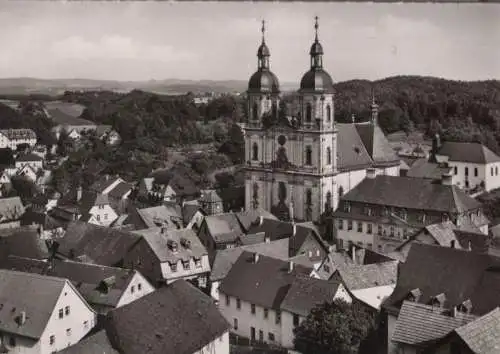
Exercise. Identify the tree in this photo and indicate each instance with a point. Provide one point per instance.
(333, 328)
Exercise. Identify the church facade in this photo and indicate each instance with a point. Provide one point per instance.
(297, 166)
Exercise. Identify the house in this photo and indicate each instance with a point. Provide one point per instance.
(11, 211)
(107, 134)
(175, 319)
(104, 288)
(382, 212)
(175, 186)
(474, 165)
(369, 283)
(211, 202)
(444, 276)
(97, 343)
(446, 234)
(192, 215)
(47, 226)
(23, 242)
(96, 209)
(105, 184)
(164, 256)
(28, 326)
(4, 178)
(32, 160)
(265, 298)
(27, 171)
(98, 244)
(11, 138)
(479, 336)
(419, 325)
(116, 189)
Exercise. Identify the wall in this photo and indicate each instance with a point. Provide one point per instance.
(391, 325)
(104, 215)
(217, 346)
(79, 313)
(190, 273)
(374, 296)
(142, 258)
(23, 345)
(491, 180)
(128, 295)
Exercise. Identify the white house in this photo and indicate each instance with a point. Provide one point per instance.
(28, 172)
(32, 160)
(96, 209)
(29, 326)
(249, 292)
(11, 138)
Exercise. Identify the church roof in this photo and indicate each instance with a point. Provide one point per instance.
(376, 144)
(352, 153)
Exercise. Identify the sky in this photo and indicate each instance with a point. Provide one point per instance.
(219, 40)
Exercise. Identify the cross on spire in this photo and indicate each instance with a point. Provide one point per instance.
(263, 29)
(316, 26)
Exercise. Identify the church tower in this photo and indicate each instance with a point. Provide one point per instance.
(291, 162)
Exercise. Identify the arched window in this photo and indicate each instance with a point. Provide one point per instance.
(308, 197)
(255, 152)
(255, 112)
(467, 171)
(308, 112)
(282, 191)
(255, 196)
(328, 113)
(328, 202)
(275, 110)
(341, 191)
(308, 155)
(328, 156)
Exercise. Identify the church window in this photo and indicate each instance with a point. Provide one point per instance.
(308, 155)
(309, 197)
(282, 191)
(328, 203)
(328, 113)
(255, 196)
(275, 110)
(255, 152)
(328, 156)
(308, 113)
(340, 224)
(255, 112)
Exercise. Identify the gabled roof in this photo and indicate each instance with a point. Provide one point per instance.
(11, 208)
(23, 242)
(421, 325)
(97, 343)
(175, 319)
(376, 144)
(103, 183)
(28, 158)
(352, 153)
(459, 274)
(158, 241)
(367, 276)
(189, 210)
(104, 245)
(265, 282)
(411, 193)
(224, 227)
(248, 217)
(209, 196)
(422, 168)
(16, 296)
(86, 278)
(162, 215)
(120, 190)
(482, 335)
(468, 152)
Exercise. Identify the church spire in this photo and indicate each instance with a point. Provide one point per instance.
(316, 26)
(316, 51)
(263, 53)
(374, 109)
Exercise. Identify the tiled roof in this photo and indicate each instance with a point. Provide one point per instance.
(332, 262)
(162, 215)
(11, 208)
(459, 274)
(468, 152)
(15, 134)
(175, 319)
(352, 153)
(366, 276)
(411, 193)
(376, 144)
(189, 210)
(85, 277)
(97, 343)
(420, 324)
(103, 183)
(264, 282)
(210, 196)
(422, 168)
(120, 190)
(159, 243)
(104, 245)
(28, 158)
(248, 217)
(482, 335)
(24, 242)
(443, 233)
(224, 227)
(16, 295)
(306, 292)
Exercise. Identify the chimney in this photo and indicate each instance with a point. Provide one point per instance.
(371, 173)
(21, 320)
(107, 177)
(447, 179)
(454, 311)
(290, 267)
(452, 244)
(261, 220)
(255, 257)
(436, 145)
(353, 250)
(267, 239)
(79, 192)
(294, 230)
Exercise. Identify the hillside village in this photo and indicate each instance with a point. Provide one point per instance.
(338, 226)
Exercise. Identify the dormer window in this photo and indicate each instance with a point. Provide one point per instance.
(465, 307)
(414, 295)
(347, 207)
(185, 265)
(173, 267)
(438, 300)
(197, 262)
(445, 217)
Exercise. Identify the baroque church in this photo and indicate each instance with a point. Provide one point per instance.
(297, 167)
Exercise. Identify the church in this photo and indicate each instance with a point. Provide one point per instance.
(297, 166)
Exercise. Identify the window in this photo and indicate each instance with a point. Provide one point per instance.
(278, 316)
(255, 112)
(185, 265)
(370, 245)
(492, 171)
(467, 171)
(173, 267)
(68, 332)
(12, 341)
(252, 309)
(317, 253)
(52, 340)
(139, 286)
(379, 231)
(261, 335)
(295, 320)
(340, 224)
(310, 253)
(132, 289)
(86, 324)
(308, 196)
(98, 217)
(197, 262)
(347, 207)
(66, 310)
(270, 336)
(238, 304)
(360, 227)
(475, 171)
(308, 113)
(255, 152)
(369, 228)
(105, 216)
(328, 156)
(455, 170)
(266, 313)
(341, 191)
(61, 313)
(392, 231)
(328, 113)
(328, 203)
(349, 225)
(228, 300)
(308, 155)
(496, 171)
(235, 323)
